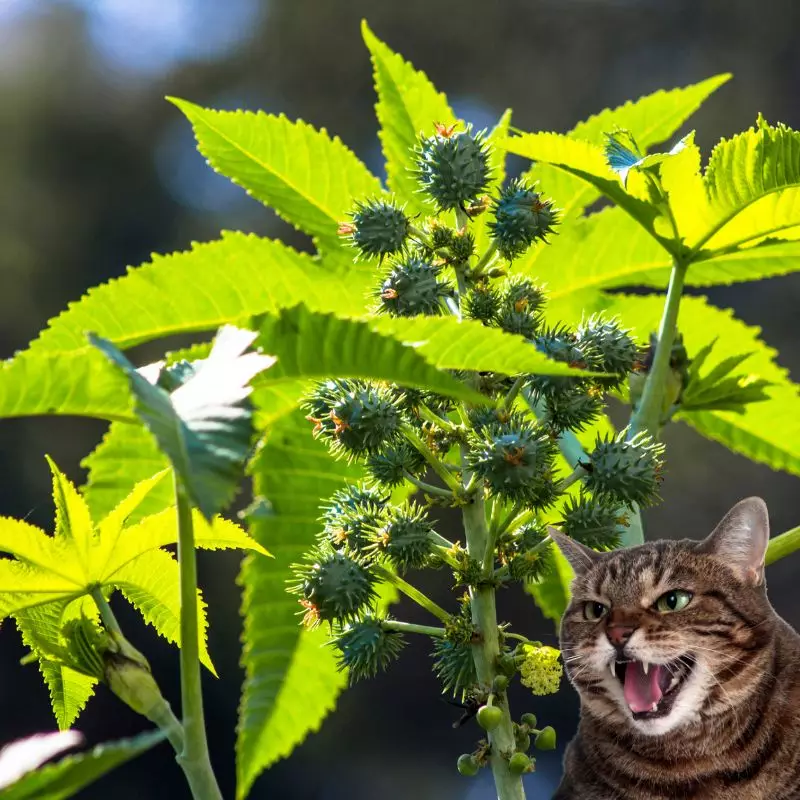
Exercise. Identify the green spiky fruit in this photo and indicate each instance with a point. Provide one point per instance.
(527, 552)
(365, 648)
(405, 537)
(489, 717)
(482, 417)
(522, 294)
(593, 522)
(522, 323)
(559, 343)
(452, 168)
(454, 666)
(468, 765)
(440, 236)
(571, 409)
(334, 587)
(380, 228)
(516, 461)
(617, 350)
(461, 249)
(351, 516)
(481, 302)
(521, 217)
(413, 287)
(626, 472)
(355, 417)
(545, 739)
(391, 466)
(520, 763)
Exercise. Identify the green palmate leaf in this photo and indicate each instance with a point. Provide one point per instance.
(205, 426)
(151, 584)
(67, 777)
(75, 384)
(767, 432)
(314, 345)
(408, 104)
(230, 280)
(309, 178)
(652, 119)
(41, 632)
(587, 162)
(753, 186)
(291, 680)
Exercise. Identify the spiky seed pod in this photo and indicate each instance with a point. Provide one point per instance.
(572, 409)
(350, 517)
(404, 537)
(365, 648)
(441, 236)
(540, 669)
(482, 417)
(618, 351)
(461, 249)
(334, 587)
(626, 472)
(516, 461)
(356, 418)
(526, 552)
(410, 400)
(452, 168)
(390, 466)
(523, 323)
(454, 666)
(522, 294)
(460, 629)
(559, 343)
(592, 521)
(379, 228)
(481, 302)
(413, 287)
(493, 384)
(521, 217)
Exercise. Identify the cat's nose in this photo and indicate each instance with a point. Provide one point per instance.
(618, 635)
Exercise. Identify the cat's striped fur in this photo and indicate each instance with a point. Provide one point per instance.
(730, 729)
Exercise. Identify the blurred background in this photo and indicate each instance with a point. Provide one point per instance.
(97, 171)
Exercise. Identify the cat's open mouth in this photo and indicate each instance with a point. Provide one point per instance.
(651, 689)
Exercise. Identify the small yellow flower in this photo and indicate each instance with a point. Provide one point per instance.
(541, 670)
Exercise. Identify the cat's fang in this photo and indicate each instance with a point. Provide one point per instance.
(654, 707)
(645, 667)
(612, 669)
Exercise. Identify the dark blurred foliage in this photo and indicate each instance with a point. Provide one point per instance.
(97, 171)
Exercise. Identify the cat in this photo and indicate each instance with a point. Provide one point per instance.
(689, 681)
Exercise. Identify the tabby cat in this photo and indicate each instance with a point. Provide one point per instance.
(689, 681)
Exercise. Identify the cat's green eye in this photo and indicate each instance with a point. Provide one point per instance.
(594, 611)
(676, 600)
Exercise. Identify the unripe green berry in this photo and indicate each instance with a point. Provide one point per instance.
(545, 739)
(626, 471)
(468, 765)
(413, 287)
(529, 720)
(379, 227)
(520, 763)
(452, 168)
(489, 717)
(521, 217)
(507, 664)
(500, 683)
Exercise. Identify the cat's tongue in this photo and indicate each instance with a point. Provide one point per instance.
(642, 691)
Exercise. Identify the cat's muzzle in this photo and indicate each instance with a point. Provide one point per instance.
(650, 690)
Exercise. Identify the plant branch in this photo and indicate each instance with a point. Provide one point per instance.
(436, 463)
(410, 627)
(194, 759)
(427, 487)
(413, 593)
(781, 546)
(576, 474)
(508, 402)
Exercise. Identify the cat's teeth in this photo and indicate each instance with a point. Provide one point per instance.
(611, 669)
(655, 707)
(645, 667)
(673, 683)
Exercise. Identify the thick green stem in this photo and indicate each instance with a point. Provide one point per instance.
(411, 627)
(783, 545)
(436, 463)
(413, 593)
(194, 759)
(486, 650)
(428, 487)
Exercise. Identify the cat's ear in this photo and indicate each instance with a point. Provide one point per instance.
(580, 557)
(740, 539)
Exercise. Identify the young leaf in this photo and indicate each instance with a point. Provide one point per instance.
(309, 178)
(205, 426)
(551, 591)
(408, 104)
(230, 280)
(67, 777)
(287, 667)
